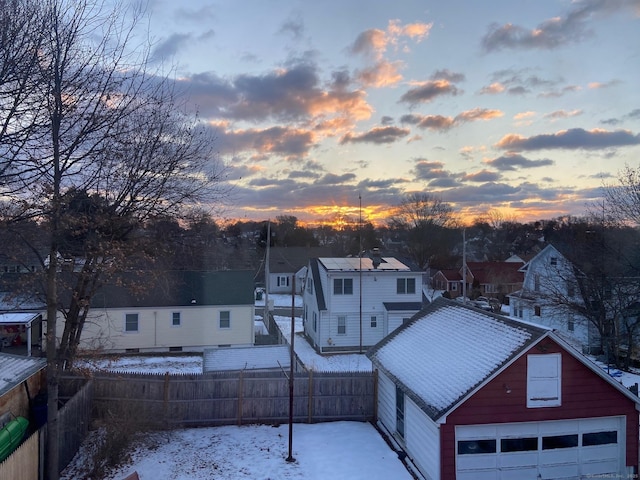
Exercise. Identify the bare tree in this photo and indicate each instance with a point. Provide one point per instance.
(426, 219)
(110, 146)
(622, 199)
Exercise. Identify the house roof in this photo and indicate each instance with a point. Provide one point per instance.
(402, 306)
(451, 275)
(448, 349)
(15, 369)
(355, 264)
(179, 288)
(496, 272)
(246, 358)
(317, 284)
(18, 318)
(291, 259)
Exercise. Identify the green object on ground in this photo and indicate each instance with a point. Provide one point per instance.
(11, 436)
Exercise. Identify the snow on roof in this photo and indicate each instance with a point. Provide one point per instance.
(246, 358)
(447, 349)
(354, 264)
(15, 369)
(17, 318)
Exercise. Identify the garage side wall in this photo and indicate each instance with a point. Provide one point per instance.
(504, 400)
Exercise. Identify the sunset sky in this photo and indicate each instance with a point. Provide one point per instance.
(524, 107)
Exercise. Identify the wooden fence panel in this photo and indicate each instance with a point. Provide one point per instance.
(73, 423)
(235, 397)
(22, 464)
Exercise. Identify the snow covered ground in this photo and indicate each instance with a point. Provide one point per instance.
(336, 450)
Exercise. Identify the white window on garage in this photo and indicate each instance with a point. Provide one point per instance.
(544, 380)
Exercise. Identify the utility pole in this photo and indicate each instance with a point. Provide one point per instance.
(360, 262)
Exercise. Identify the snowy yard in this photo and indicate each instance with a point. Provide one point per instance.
(337, 451)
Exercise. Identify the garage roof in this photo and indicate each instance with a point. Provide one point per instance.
(15, 369)
(448, 349)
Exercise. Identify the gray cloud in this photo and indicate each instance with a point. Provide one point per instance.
(482, 176)
(575, 138)
(291, 94)
(428, 91)
(377, 135)
(514, 161)
(170, 46)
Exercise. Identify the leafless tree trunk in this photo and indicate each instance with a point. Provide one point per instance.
(102, 131)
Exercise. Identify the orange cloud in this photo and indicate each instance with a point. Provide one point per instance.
(478, 114)
(382, 74)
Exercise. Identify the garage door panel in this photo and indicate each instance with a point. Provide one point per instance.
(519, 473)
(562, 449)
(478, 475)
(470, 462)
(512, 460)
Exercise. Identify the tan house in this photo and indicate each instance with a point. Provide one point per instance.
(179, 311)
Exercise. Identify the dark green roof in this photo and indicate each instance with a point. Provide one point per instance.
(178, 288)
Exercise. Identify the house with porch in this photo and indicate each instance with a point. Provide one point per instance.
(350, 304)
(473, 395)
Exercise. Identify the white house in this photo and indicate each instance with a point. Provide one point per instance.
(550, 284)
(473, 395)
(350, 304)
(178, 311)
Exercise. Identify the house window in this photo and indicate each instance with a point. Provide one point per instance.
(131, 322)
(472, 447)
(599, 438)
(283, 281)
(315, 322)
(559, 441)
(374, 321)
(225, 319)
(553, 261)
(175, 319)
(406, 285)
(343, 286)
(310, 286)
(536, 282)
(491, 288)
(399, 412)
(571, 326)
(342, 325)
(536, 310)
(518, 444)
(544, 380)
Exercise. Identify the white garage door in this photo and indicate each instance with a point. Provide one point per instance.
(566, 449)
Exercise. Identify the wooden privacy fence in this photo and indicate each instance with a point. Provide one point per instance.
(74, 418)
(23, 463)
(169, 401)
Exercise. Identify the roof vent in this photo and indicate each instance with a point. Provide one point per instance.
(375, 257)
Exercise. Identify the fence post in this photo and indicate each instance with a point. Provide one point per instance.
(165, 400)
(310, 399)
(375, 396)
(240, 386)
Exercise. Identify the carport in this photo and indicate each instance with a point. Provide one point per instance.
(23, 320)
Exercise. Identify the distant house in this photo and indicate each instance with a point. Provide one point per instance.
(468, 394)
(449, 281)
(350, 304)
(489, 279)
(178, 311)
(285, 263)
(494, 279)
(550, 276)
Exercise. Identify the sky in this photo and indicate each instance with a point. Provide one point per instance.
(325, 110)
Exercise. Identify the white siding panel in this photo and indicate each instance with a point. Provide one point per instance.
(422, 439)
(387, 403)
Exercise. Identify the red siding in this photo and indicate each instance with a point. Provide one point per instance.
(584, 395)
